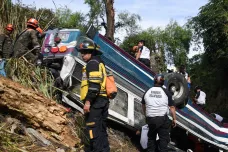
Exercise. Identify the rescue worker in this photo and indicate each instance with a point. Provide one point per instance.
(156, 103)
(143, 54)
(6, 42)
(94, 95)
(200, 98)
(27, 44)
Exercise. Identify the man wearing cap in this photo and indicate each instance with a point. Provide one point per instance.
(156, 103)
(93, 94)
(6, 42)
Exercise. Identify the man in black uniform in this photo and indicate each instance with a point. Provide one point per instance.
(94, 95)
(6, 42)
(156, 103)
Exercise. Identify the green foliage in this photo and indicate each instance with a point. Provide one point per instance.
(68, 19)
(124, 20)
(97, 11)
(177, 40)
(129, 22)
(211, 72)
(18, 14)
(29, 75)
(211, 26)
(171, 45)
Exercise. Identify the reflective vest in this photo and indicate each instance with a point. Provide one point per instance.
(94, 77)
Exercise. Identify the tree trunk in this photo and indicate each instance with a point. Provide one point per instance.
(110, 14)
(44, 115)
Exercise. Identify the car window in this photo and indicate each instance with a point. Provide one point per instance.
(138, 113)
(120, 103)
(68, 36)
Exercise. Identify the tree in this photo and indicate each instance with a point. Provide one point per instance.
(18, 14)
(68, 19)
(102, 13)
(169, 46)
(210, 25)
(110, 15)
(129, 22)
(177, 41)
(96, 12)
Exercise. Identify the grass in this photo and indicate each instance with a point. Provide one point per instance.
(13, 14)
(38, 78)
(10, 142)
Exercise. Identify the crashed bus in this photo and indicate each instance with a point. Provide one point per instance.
(132, 79)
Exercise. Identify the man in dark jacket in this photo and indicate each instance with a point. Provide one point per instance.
(6, 42)
(93, 93)
(27, 44)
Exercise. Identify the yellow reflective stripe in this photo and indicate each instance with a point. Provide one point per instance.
(91, 134)
(95, 77)
(103, 95)
(95, 81)
(90, 123)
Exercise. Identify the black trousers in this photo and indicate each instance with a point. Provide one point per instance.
(225, 120)
(161, 126)
(202, 106)
(96, 125)
(145, 62)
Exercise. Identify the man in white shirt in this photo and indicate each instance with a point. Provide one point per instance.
(143, 54)
(156, 103)
(200, 98)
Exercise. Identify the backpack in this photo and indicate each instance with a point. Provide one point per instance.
(111, 88)
(110, 85)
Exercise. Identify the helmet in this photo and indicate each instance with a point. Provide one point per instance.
(9, 27)
(32, 22)
(87, 45)
(159, 79)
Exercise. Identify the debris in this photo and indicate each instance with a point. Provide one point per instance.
(60, 150)
(38, 136)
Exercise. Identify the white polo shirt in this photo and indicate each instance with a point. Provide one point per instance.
(157, 101)
(201, 97)
(145, 52)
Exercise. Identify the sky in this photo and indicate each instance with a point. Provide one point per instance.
(153, 13)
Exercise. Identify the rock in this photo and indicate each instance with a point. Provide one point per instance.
(16, 126)
(60, 150)
(74, 150)
(38, 136)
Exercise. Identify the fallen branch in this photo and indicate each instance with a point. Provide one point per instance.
(45, 115)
